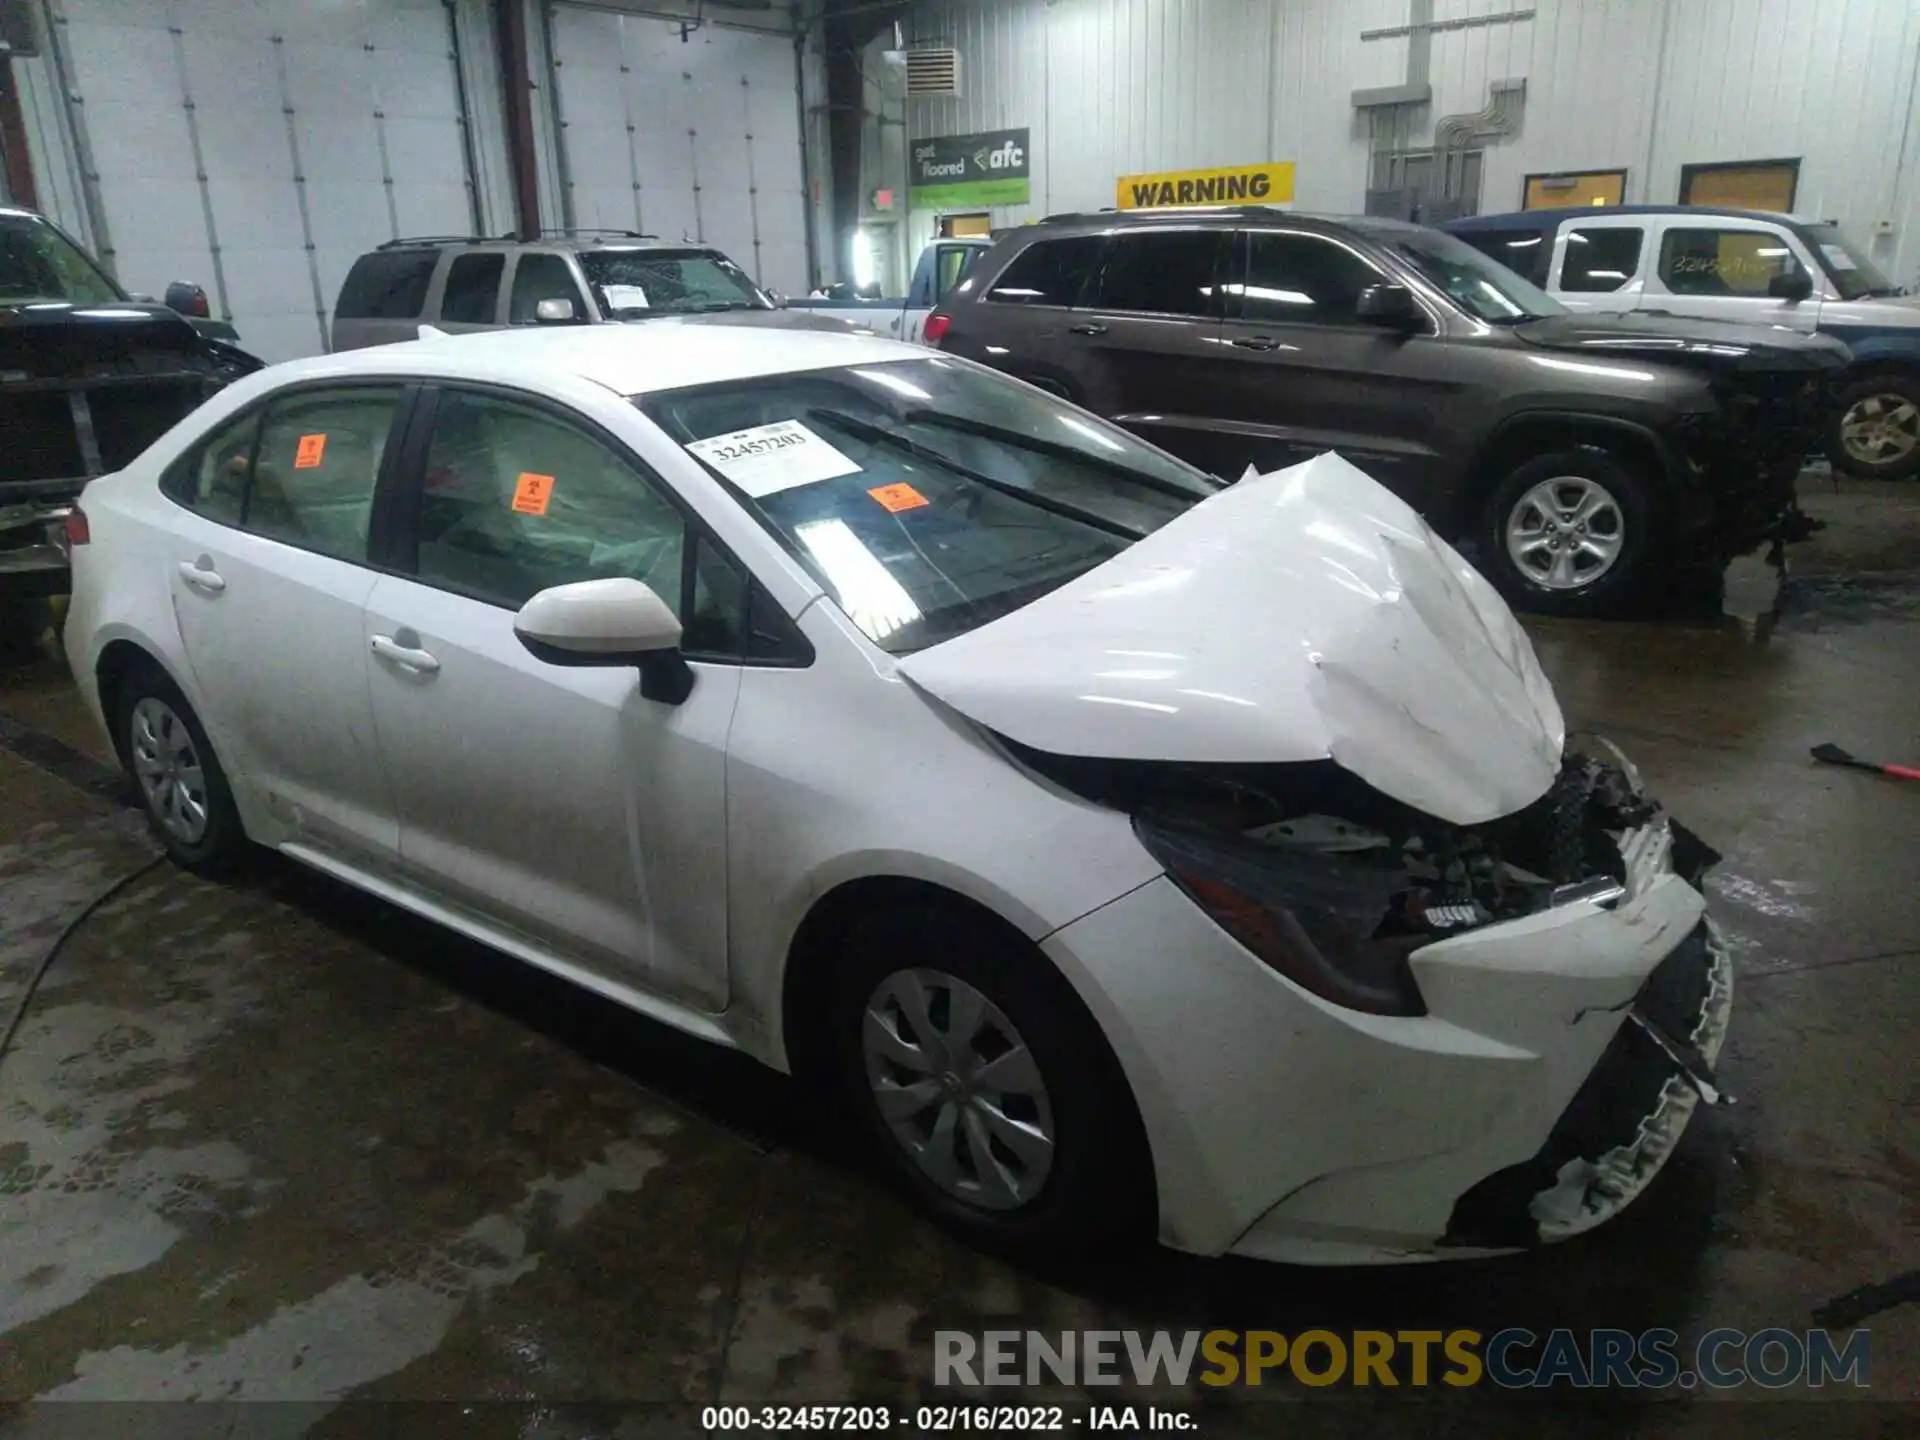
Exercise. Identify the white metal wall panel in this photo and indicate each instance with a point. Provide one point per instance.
(695, 138)
(1114, 86)
(258, 149)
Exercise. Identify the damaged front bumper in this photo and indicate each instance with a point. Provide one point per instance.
(1524, 1106)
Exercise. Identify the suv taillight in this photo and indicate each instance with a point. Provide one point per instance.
(78, 531)
(936, 328)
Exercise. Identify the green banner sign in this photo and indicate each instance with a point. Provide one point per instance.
(954, 171)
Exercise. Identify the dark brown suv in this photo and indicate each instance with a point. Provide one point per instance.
(1577, 456)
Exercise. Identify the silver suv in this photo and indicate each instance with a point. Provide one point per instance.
(575, 277)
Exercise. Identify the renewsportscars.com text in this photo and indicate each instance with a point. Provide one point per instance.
(1514, 1358)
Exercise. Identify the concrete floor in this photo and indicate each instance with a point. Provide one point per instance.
(278, 1141)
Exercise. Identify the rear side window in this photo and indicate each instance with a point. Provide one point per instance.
(211, 480)
(1051, 272)
(315, 469)
(1600, 259)
(473, 289)
(1526, 252)
(1164, 272)
(1723, 262)
(387, 285)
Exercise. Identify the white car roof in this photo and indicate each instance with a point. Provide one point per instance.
(663, 354)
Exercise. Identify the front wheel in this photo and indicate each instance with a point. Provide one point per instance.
(1575, 532)
(1875, 432)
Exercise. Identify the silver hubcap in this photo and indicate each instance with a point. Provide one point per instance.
(168, 768)
(1565, 533)
(958, 1088)
(1881, 429)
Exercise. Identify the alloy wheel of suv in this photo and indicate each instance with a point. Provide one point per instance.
(1571, 532)
(1566, 532)
(1876, 429)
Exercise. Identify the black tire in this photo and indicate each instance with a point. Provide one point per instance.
(1893, 389)
(217, 851)
(1642, 524)
(1098, 1191)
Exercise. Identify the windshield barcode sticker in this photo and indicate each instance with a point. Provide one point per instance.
(770, 458)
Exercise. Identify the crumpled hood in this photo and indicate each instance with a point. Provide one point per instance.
(1306, 614)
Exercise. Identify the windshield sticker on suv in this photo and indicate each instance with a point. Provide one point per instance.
(531, 493)
(1838, 257)
(767, 459)
(311, 448)
(625, 297)
(898, 497)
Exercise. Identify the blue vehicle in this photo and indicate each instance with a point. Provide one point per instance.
(1748, 265)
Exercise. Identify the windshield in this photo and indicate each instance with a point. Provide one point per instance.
(1854, 276)
(633, 284)
(37, 262)
(1481, 286)
(928, 496)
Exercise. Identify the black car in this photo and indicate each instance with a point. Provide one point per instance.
(88, 378)
(1579, 456)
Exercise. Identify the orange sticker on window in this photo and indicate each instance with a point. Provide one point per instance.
(312, 447)
(898, 497)
(531, 493)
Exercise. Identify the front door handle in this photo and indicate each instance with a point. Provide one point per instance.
(201, 575)
(407, 657)
(1086, 328)
(1257, 342)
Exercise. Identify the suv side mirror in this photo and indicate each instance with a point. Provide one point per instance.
(1389, 306)
(1793, 287)
(608, 622)
(553, 312)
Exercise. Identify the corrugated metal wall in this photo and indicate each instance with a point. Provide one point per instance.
(1111, 87)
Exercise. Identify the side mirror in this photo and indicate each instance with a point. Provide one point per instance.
(608, 622)
(554, 312)
(1389, 306)
(1793, 287)
(775, 299)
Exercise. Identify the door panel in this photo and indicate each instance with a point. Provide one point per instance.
(1298, 374)
(271, 613)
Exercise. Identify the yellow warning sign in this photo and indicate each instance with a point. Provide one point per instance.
(1269, 184)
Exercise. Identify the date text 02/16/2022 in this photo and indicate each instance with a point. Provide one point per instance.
(940, 1419)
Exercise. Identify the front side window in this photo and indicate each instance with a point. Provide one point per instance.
(516, 499)
(316, 466)
(542, 276)
(1049, 272)
(1299, 280)
(928, 496)
(633, 284)
(211, 480)
(1741, 263)
(1600, 259)
(1483, 288)
(1159, 272)
(472, 293)
(37, 262)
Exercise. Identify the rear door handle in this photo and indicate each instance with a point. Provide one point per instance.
(1086, 328)
(407, 657)
(1256, 342)
(201, 575)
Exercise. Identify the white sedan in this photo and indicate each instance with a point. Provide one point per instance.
(1132, 852)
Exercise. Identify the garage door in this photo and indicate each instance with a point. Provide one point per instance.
(696, 138)
(257, 149)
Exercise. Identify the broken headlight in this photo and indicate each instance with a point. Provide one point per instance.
(1313, 918)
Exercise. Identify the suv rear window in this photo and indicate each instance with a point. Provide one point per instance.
(387, 285)
(1600, 259)
(1526, 252)
(1049, 272)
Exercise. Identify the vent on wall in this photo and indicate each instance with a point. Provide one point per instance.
(933, 72)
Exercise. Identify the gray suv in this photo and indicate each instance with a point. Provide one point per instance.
(574, 277)
(1577, 456)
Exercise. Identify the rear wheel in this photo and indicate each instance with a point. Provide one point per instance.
(1574, 532)
(987, 1090)
(189, 806)
(1876, 428)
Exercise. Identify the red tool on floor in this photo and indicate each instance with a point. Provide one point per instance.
(1834, 755)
